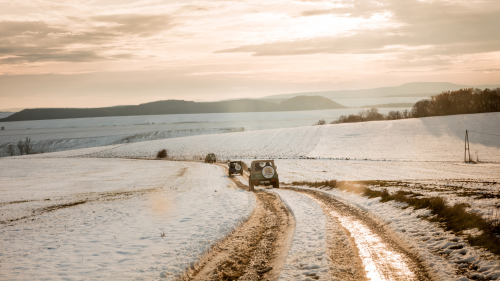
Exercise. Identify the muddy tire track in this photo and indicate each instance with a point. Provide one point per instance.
(256, 250)
(408, 267)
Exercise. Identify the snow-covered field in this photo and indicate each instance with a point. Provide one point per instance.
(120, 210)
(432, 139)
(249, 120)
(67, 134)
(90, 213)
(50, 140)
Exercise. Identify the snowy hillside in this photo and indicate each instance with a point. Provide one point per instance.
(249, 120)
(61, 139)
(67, 134)
(87, 213)
(422, 139)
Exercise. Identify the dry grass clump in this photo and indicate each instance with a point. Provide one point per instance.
(316, 184)
(162, 154)
(452, 217)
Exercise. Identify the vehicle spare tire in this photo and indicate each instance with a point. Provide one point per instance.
(237, 167)
(268, 172)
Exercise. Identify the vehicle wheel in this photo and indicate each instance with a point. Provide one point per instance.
(250, 185)
(276, 185)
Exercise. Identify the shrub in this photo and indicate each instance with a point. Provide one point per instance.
(20, 146)
(320, 122)
(162, 154)
(28, 147)
(11, 149)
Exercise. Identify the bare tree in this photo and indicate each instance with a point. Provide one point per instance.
(3, 128)
(406, 114)
(28, 147)
(320, 122)
(393, 115)
(11, 149)
(20, 146)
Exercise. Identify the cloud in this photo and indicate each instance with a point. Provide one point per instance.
(438, 28)
(142, 25)
(54, 55)
(37, 41)
(31, 29)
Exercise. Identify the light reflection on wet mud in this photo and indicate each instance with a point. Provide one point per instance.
(380, 262)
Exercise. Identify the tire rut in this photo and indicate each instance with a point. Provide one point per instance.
(256, 250)
(392, 262)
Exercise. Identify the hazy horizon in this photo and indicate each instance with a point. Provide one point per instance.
(98, 53)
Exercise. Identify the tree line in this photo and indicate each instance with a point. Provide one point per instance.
(24, 147)
(463, 101)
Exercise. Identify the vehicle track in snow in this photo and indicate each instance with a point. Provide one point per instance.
(256, 250)
(376, 250)
(358, 247)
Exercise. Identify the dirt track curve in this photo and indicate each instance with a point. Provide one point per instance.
(358, 246)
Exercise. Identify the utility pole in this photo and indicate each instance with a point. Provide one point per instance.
(467, 146)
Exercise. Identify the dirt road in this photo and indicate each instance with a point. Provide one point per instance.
(255, 250)
(357, 247)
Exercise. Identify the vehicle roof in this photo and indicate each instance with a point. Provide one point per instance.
(235, 161)
(264, 160)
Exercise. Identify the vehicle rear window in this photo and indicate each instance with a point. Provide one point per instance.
(258, 166)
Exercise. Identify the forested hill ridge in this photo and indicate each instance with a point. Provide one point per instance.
(299, 103)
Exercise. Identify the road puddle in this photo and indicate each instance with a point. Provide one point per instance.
(380, 262)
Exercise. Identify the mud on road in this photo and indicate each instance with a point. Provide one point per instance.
(358, 246)
(256, 250)
(369, 247)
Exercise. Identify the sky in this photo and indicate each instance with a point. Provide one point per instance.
(94, 53)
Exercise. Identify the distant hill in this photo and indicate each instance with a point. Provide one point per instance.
(390, 105)
(177, 107)
(308, 103)
(11, 109)
(417, 89)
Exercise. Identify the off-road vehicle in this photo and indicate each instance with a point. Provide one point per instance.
(210, 158)
(263, 172)
(235, 167)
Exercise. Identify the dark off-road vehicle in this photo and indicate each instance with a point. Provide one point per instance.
(210, 158)
(235, 167)
(263, 172)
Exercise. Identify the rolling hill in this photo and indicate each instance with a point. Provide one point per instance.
(299, 103)
(417, 89)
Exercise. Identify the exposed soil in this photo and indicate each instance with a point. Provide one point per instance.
(346, 257)
(256, 250)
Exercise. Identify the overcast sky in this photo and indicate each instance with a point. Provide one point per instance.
(90, 53)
